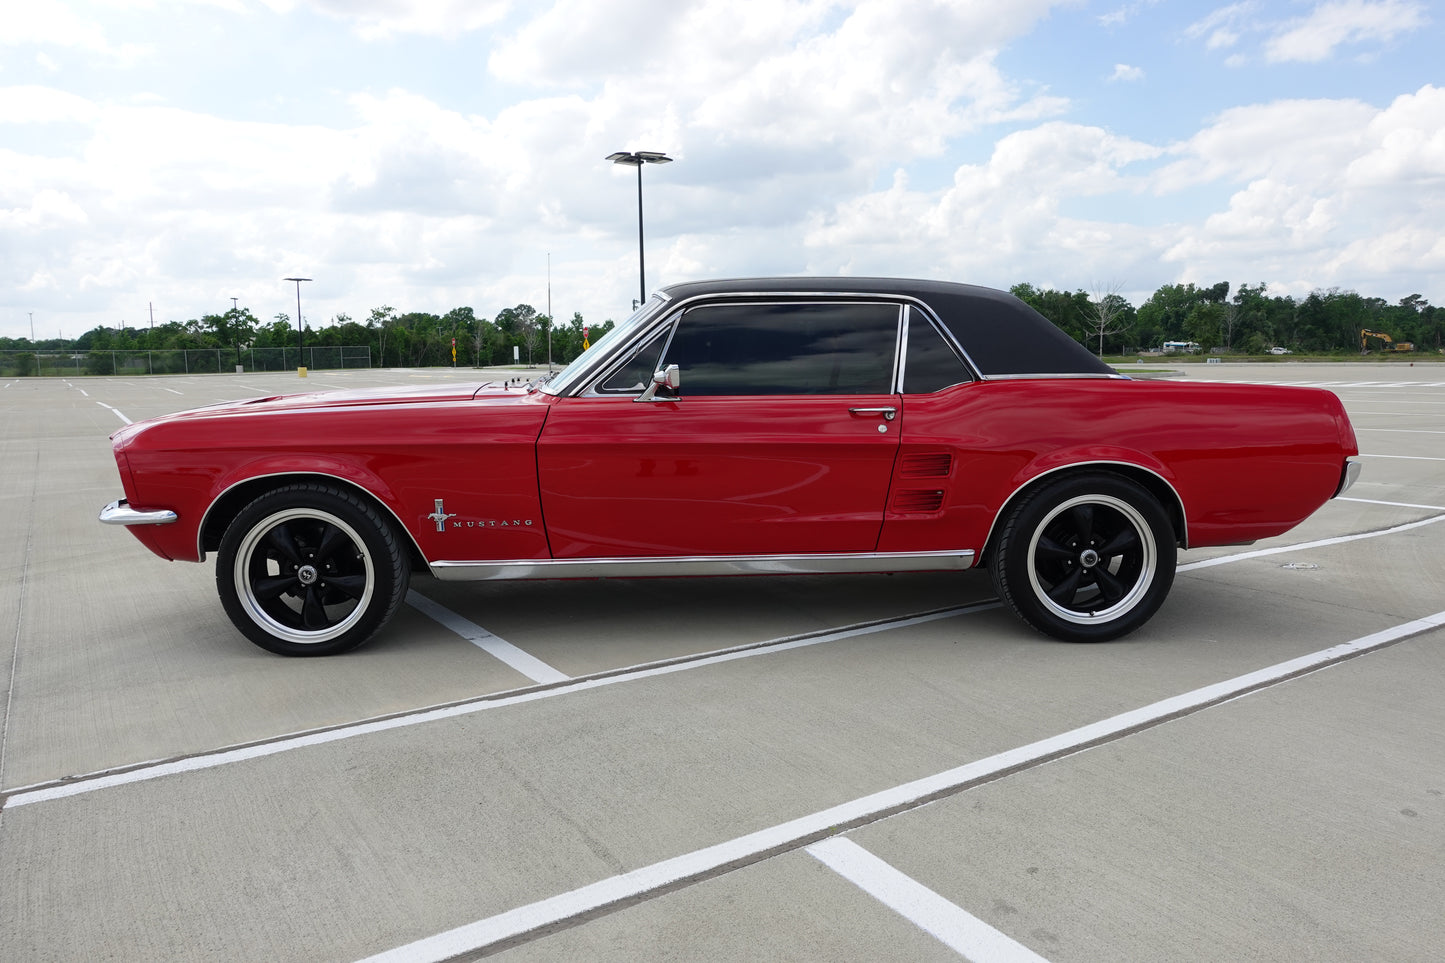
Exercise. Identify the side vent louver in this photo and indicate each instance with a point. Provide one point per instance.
(915, 502)
(926, 464)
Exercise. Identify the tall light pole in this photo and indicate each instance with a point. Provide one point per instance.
(637, 159)
(300, 334)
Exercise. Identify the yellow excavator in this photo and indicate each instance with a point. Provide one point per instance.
(1390, 343)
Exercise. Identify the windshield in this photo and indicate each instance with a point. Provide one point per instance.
(584, 363)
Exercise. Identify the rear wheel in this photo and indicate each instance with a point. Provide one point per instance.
(1086, 558)
(310, 570)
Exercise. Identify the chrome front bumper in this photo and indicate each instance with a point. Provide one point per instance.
(119, 512)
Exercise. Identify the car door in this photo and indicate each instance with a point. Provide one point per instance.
(780, 439)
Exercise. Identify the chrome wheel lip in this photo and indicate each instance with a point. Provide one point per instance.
(1148, 563)
(253, 607)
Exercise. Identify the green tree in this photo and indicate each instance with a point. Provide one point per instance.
(1069, 312)
(486, 336)
(1166, 313)
(236, 327)
(1108, 314)
(382, 320)
(424, 337)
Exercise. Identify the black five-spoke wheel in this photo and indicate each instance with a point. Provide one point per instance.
(310, 570)
(1086, 558)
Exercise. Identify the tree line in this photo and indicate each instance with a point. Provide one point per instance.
(1250, 321)
(412, 339)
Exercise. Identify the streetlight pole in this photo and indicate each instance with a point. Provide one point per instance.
(637, 159)
(300, 333)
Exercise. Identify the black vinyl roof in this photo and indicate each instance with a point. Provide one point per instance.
(1001, 334)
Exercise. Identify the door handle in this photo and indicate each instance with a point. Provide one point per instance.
(888, 413)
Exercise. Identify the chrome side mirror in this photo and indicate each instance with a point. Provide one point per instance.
(669, 378)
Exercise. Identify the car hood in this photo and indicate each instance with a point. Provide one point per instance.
(366, 397)
(330, 400)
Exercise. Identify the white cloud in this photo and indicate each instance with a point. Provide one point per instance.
(1330, 25)
(31, 104)
(1355, 179)
(811, 136)
(1222, 28)
(53, 23)
(376, 19)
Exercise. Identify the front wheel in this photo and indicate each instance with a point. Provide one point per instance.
(1086, 558)
(310, 570)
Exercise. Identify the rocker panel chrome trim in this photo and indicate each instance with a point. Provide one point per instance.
(664, 567)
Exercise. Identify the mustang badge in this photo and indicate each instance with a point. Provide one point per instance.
(440, 516)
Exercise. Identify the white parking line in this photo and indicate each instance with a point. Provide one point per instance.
(668, 874)
(1376, 501)
(106, 779)
(952, 926)
(116, 410)
(500, 649)
(1319, 543)
(1404, 457)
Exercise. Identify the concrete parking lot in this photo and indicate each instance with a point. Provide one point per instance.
(804, 768)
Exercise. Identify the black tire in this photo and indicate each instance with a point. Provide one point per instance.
(1086, 558)
(310, 570)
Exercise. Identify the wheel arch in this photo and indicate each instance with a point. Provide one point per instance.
(1152, 481)
(228, 504)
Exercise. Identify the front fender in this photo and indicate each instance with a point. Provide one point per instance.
(242, 484)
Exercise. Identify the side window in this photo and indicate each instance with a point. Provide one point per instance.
(816, 348)
(636, 374)
(931, 364)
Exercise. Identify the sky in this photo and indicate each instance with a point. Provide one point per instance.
(161, 157)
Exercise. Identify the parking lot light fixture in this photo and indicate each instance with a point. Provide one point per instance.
(637, 159)
(300, 333)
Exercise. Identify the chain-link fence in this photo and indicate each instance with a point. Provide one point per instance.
(178, 361)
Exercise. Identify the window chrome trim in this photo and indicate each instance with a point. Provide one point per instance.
(681, 566)
(655, 307)
(900, 362)
(665, 324)
(671, 312)
(970, 369)
(1057, 375)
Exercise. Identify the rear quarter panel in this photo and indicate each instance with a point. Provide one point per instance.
(1247, 461)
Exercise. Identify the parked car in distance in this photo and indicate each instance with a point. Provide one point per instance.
(745, 427)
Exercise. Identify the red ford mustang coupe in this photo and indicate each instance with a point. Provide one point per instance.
(765, 426)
